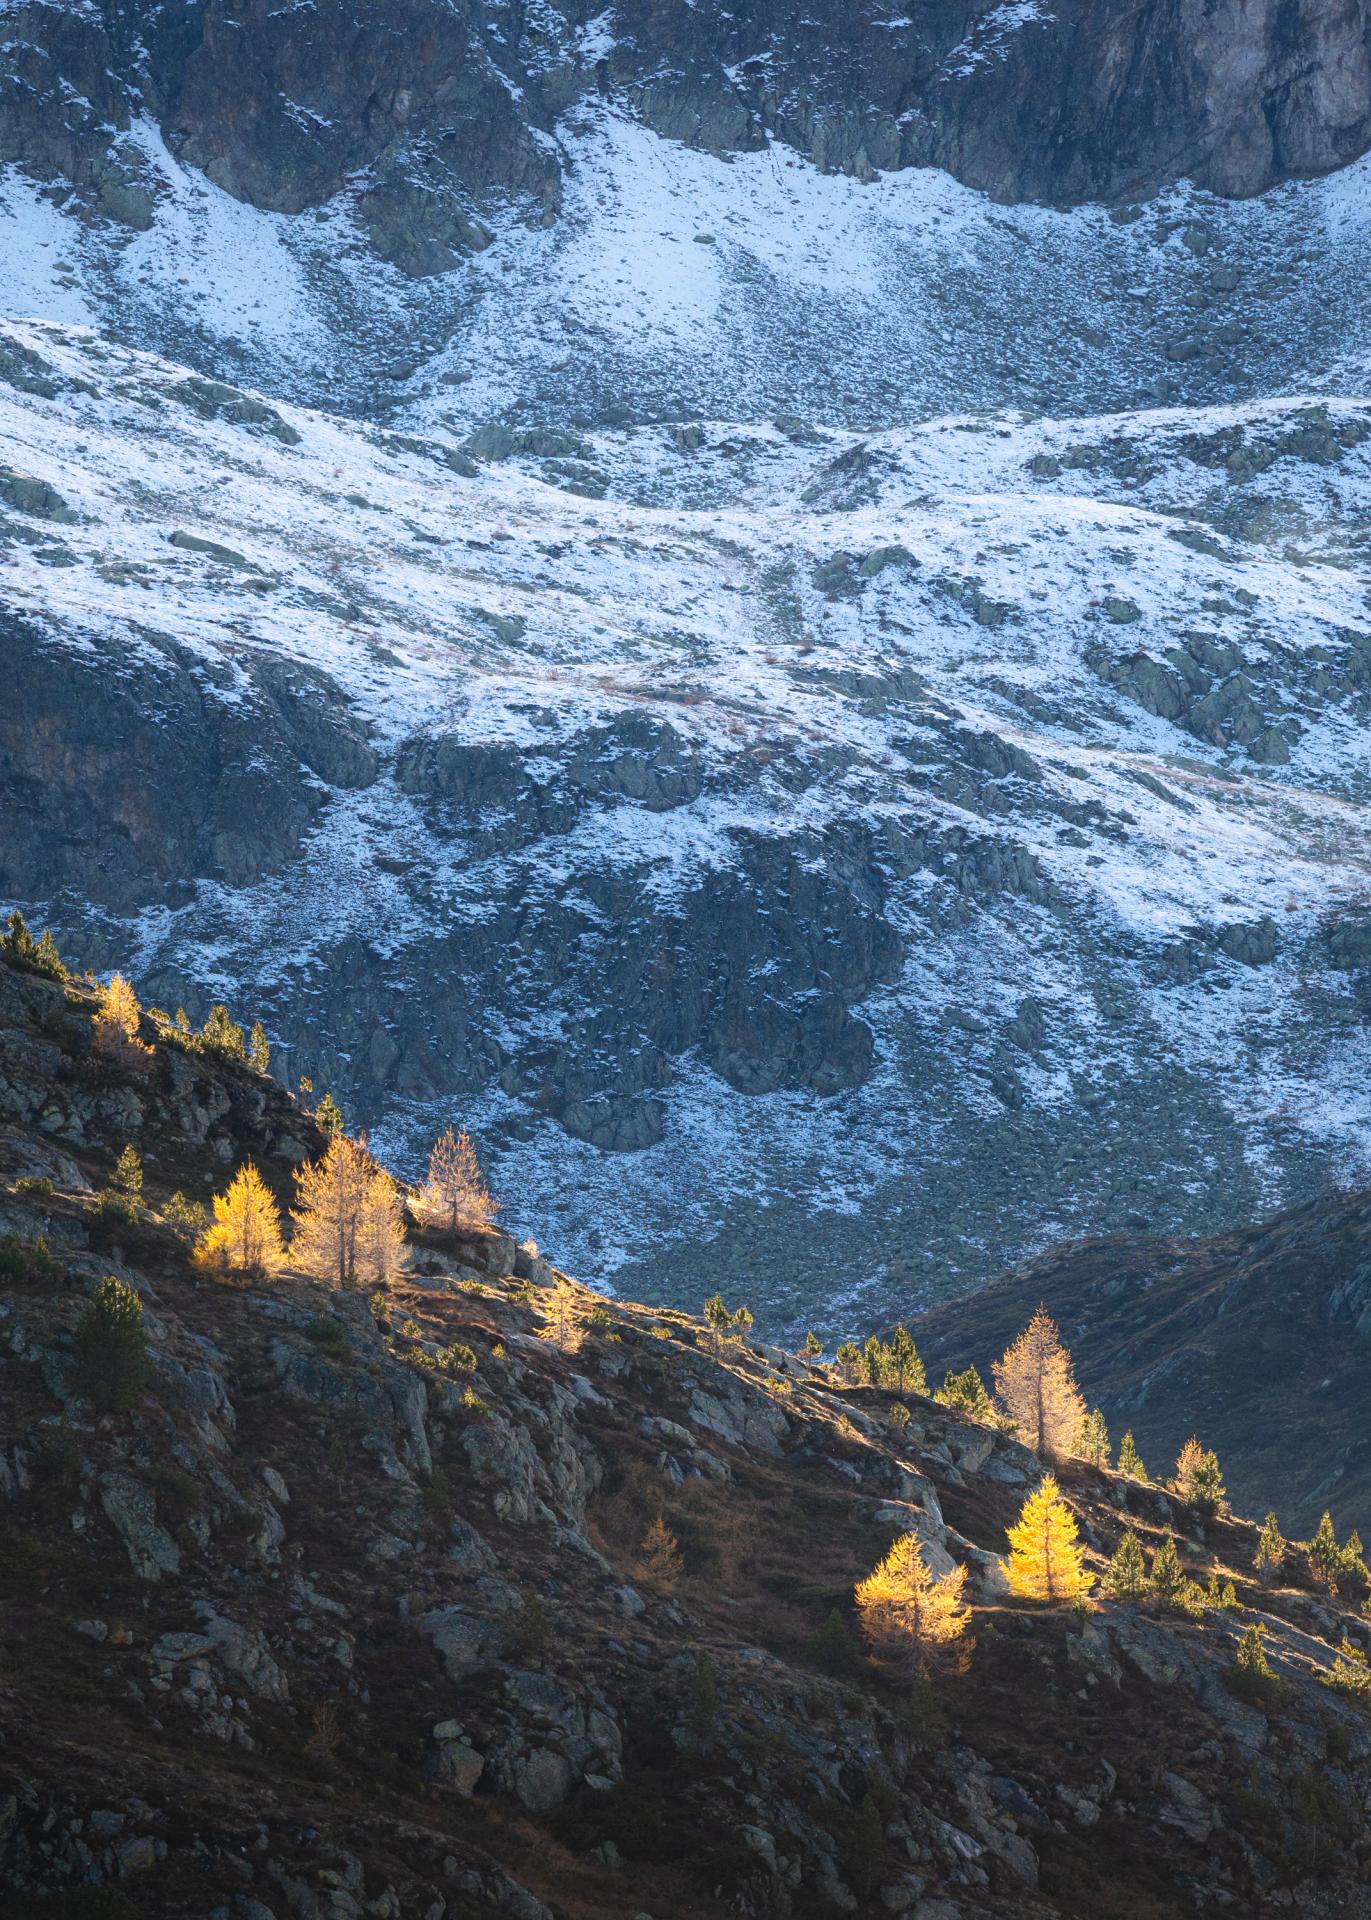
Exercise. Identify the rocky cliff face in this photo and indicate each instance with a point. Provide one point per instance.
(322, 1628)
(434, 119)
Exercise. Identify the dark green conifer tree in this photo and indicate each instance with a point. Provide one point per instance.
(112, 1348)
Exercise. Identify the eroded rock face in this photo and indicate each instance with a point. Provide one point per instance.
(170, 767)
(448, 109)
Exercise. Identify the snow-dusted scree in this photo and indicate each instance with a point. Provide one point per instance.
(883, 848)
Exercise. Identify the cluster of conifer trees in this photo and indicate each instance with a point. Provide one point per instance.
(913, 1615)
(348, 1220)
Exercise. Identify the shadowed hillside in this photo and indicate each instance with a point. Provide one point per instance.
(454, 1598)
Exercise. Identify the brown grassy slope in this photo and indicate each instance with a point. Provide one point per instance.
(1066, 1738)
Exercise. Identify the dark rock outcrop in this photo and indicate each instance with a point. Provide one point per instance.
(125, 785)
(434, 117)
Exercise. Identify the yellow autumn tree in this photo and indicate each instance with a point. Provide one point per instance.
(1037, 1388)
(564, 1313)
(245, 1234)
(116, 1023)
(1046, 1560)
(381, 1250)
(455, 1193)
(348, 1229)
(908, 1614)
(659, 1563)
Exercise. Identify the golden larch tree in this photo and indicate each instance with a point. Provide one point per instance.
(1046, 1560)
(348, 1229)
(455, 1193)
(1037, 1388)
(659, 1563)
(381, 1251)
(116, 1023)
(564, 1312)
(908, 1614)
(245, 1233)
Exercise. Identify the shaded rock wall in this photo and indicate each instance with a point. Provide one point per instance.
(433, 117)
(128, 784)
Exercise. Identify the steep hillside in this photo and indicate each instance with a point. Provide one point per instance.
(328, 1624)
(676, 286)
(1258, 1337)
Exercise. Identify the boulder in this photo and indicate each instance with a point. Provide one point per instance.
(542, 1779)
(130, 1508)
(465, 1641)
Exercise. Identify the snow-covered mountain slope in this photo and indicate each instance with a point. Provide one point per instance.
(850, 853)
(830, 718)
(675, 285)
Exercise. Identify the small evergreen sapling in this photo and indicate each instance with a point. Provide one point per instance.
(46, 958)
(904, 1370)
(1198, 1479)
(813, 1348)
(112, 1348)
(1339, 1568)
(185, 1217)
(1130, 1460)
(1325, 1553)
(1095, 1439)
(966, 1392)
(849, 1359)
(868, 1848)
(833, 1649)
(1221, 1595)
(128, 1177)
(34, 956)
(259, 1047)
(18, 944)
(1271, 1549)
(1168, 1580)
(1126, 1576)
(1353, 1577)
(725, 1326)
(220, 1035)
(1251, 1677)
(702, 1712)
(925, 1714)
(1351, 1673)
